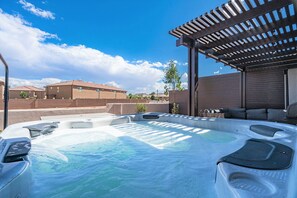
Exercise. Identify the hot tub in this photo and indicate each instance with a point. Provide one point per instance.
(148, 155)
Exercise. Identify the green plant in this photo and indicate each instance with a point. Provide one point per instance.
(140, 108)
(134, 96)
(172, 79)
(175, 108)
(153, 97)
(24, 94)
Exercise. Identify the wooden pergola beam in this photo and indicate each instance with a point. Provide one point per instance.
(244, 16)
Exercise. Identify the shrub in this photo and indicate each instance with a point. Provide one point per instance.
(175, 108)
(140, 108)
(24, 94)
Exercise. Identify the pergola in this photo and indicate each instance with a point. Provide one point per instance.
(243, 34)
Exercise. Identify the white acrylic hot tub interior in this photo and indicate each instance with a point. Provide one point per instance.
(174, 156)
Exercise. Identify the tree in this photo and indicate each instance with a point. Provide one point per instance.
(172, 81)
(172, 78)
(153, 97)
(24, 94)
(130, 96)
(134, 96)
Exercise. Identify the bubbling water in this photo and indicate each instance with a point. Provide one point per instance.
(145, 159)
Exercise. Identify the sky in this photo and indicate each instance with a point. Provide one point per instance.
(120, 43)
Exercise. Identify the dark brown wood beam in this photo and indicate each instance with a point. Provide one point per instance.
(268, 49)
(289, 64)
(262, 42)
(253, 32)
(246, 15)
(271, 60)
(270, 54)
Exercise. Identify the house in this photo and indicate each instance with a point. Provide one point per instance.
(26, 92)
(142, 95)
(157, 96)
(75, 89)
(162, 96)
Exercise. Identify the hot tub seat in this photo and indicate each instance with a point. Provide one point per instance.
(264, 130)
(261, 154)
(150, 116)
(41, 129)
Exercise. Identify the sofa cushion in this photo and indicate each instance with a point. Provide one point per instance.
(236, 113)
(292, 111)
(256, 114)
(276, 115)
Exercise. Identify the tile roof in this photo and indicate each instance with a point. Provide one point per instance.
(87, 84)
(26, 88)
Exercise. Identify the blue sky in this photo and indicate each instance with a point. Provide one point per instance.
(121, 43)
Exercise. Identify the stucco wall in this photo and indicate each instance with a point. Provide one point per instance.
(1, 91)
(221, 91)
(181, 98)
(120, 109)
(17, 116)
(120, 95)
(265, 88)
(15, 94)
(59, 92)
(62, 103)
(84, 92)
(77, 92)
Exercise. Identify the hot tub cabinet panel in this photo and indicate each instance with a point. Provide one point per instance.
(15, 179)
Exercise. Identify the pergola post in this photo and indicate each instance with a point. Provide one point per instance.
(243, 88)
(193, 48)
(193, 80)
(6, 93)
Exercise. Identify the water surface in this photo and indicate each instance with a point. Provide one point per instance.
(144, 159)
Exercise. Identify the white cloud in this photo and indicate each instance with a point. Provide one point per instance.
(184, 80)
(36, 11)
(15, 82)
(216, 72)
(149, 64)
(184, 77)
(29, 51)
(113, 83)
(156, 87)
(184, 85)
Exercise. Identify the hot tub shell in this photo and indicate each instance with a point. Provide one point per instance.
(231, 180)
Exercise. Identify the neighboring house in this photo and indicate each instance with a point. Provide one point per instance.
(30, 92)
(158, 96)
(1, 89)
(143, 95)
(162, 96)
(79, 89)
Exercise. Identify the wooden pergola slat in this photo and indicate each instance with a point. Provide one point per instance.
(263, 42)
(244, 55)
(270, 6)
